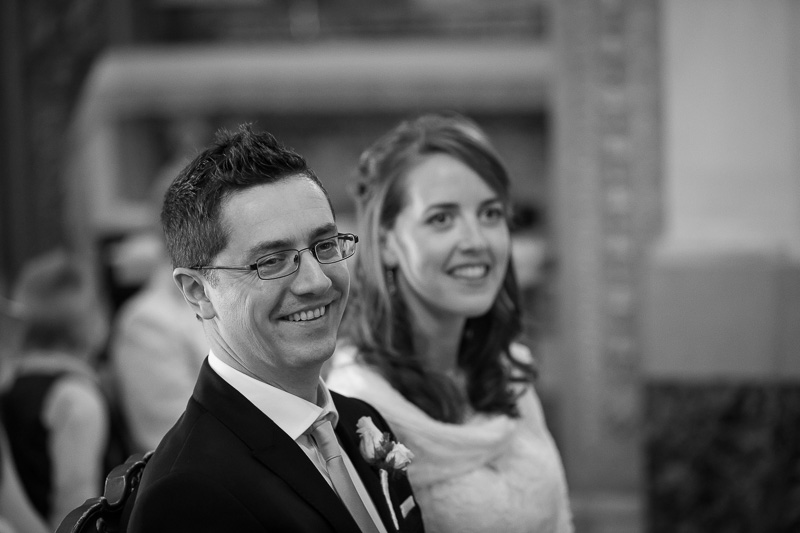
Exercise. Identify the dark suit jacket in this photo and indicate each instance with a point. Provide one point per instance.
(225, 466)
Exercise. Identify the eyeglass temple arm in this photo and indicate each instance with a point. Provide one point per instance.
(246, 267)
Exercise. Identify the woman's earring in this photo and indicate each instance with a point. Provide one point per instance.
(391, 283)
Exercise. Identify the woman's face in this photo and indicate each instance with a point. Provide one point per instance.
(450, 243)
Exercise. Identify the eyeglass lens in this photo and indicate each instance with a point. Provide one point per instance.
(286, 262)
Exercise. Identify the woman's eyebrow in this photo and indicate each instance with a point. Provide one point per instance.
(494, 200)
(456, 205)
(442, 205)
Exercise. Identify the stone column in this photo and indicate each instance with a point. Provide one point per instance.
(606, 204)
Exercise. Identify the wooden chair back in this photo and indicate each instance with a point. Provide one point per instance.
(109, 513)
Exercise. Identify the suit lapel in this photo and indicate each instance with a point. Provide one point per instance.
(271, 446)
(287, 461)
(349, 439)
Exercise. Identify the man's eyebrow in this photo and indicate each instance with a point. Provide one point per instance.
(276, 245)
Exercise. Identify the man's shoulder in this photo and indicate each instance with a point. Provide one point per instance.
(193, 446)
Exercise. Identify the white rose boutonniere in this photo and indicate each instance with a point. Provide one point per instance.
(388, 456)
(399, 457)
(373, 441)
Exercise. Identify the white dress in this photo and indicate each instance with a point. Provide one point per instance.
(491, 473)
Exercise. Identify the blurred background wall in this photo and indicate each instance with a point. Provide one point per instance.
(721, 312)
(654, 148)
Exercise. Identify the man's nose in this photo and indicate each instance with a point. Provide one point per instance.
(310, 278)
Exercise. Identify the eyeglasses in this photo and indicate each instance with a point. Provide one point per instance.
(287, 262)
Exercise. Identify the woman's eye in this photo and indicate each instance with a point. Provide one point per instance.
(494, 214)
(439, 219)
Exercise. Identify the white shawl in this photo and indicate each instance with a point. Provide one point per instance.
(456, 465)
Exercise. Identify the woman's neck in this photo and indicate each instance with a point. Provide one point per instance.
(437, 341)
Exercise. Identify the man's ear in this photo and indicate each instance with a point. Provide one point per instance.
(193, 286)
(388, 245)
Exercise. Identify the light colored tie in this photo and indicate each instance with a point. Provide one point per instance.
(328, 446)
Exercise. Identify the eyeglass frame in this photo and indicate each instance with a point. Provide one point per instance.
(312, 249)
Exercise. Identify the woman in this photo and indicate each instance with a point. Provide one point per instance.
(428, 335)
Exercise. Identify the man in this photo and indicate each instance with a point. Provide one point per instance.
(257, 256)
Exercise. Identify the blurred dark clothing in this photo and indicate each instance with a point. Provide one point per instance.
(57, 420)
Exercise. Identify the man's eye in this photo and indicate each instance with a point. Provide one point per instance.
(272, 260)
(326, 246)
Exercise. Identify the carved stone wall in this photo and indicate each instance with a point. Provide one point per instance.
(606, 198)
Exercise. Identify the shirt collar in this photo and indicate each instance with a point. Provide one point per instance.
(292, 414)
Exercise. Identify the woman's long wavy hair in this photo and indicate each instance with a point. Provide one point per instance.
(376, 321)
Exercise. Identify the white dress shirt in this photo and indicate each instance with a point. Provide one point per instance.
(295, 416)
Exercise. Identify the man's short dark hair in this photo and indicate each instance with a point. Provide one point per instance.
(236, 161)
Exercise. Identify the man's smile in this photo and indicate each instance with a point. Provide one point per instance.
(311, 314)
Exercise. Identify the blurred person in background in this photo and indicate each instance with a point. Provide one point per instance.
(54, 409)
(429, 334)
(17, 515)
(157, 345)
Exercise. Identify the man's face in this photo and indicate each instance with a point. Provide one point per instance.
(274, 327)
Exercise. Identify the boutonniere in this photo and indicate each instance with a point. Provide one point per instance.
(389, 457)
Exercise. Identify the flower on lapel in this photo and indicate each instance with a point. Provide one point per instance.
(380, 450)
(383, 453)
(399, 457)
(372, 439)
